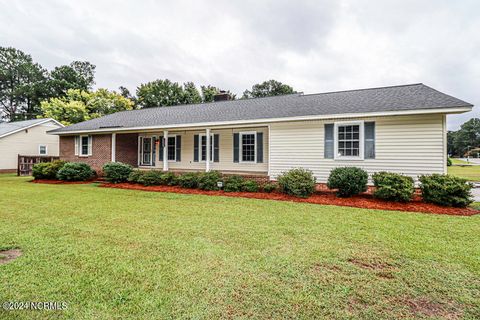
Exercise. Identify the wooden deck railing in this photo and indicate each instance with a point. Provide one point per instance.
(25, 163)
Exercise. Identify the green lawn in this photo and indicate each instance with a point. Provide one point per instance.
(118, 254)
(458, 161)
(471, 173)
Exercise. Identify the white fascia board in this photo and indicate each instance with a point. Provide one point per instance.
(33, 125)
(193, 126)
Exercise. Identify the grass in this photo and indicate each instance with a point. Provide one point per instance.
(124, 254)
(471, 173)
(458, 161)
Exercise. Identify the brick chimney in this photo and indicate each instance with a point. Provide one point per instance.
(222, 96)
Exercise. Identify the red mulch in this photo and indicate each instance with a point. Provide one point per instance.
(45, 181)
(366, 201)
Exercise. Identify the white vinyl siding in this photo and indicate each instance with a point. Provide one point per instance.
(412, 145)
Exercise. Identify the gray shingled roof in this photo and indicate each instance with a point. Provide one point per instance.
(396, 98)
(10, 127)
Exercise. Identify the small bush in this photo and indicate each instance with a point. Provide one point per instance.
(250, 186)
(297, 182)
(446, 190)
(47, 170)
(269, 187)
(449, 162)
(208, 180)
(169, 179)
(189, 180)
(348, 181)
(393, 186)
(75, 171)
(151, 178)
(233, 184)
(116, 172)
(135, 176)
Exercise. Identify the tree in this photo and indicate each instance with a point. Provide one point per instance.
(22, 85)
(124, 92)
(191, 94)
(78, 75)
(268, 88)
(79, 105)
(209, 92)
(468, 137)
(160, 93)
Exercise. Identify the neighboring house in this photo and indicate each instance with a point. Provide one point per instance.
(400, 129)
(26, 138)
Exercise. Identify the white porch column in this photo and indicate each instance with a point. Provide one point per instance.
(207, 162)
(165, 150)
(114, 142)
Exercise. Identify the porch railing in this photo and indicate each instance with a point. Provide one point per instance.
(25, 163)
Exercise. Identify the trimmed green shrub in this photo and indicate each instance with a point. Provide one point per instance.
(348, 181)
(449, 162)
(233, 184)
(446, 190)
(250, 186)
(297, 182)
(208, 180)
(47, 170)
(135, 176)
(393, 186)
(169, 179)
(116, 172)
(151, 178)
(75, 171)
(269, 187)
(189, 180)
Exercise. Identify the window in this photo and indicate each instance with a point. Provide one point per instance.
(84, 145)
(203, 148)
(247, 146)
(349, 144)
(171, 148)
(42, 149)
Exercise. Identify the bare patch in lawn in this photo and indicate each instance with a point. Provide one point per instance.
(382, 268)
(423, 306)
(321, 267)
(9, 255)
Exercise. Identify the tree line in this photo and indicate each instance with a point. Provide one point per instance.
(465, 141)
(29, 91)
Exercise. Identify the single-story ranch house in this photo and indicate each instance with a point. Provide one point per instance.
(399, 129)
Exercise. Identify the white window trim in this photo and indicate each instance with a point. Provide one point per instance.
(240, 150)
(152, 146)
(40, 147)
(80, 149)
(212, 144)
(361, 154)
(175, 144)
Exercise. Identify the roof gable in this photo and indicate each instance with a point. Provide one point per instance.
(8, 128)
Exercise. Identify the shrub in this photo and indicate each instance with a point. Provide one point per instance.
(348, 181)
(297, 182)
(250, 186)
(208, 180)
(47, 170)
(446, 190)
(135, 176)
(189, 180)
(75, 171)
(393, 186)
(269, 187)
(169, 179)
(116, 172)
(449, 162)
(151, 178)
(233, 184)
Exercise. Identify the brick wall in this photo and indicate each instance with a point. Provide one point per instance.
(126, 148)
(101, 151)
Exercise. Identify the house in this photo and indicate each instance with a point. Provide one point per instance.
(399, 129)
(26, 138)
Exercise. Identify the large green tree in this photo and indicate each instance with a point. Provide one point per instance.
(79, 105)
(466, 138)
(209, 92)
(268, 88)
(78, 75)
(160, 93)
(22, 85)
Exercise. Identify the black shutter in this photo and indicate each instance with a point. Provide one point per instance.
(195, 148)
(178, 149)
(369, 142)
(216, 149)
(154, 150)
(236, 145)
(329, 141)
(259, 147)
(162, 145)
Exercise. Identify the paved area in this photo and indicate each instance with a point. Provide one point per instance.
(476, 192)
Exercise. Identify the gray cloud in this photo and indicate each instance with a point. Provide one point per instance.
(315, 46)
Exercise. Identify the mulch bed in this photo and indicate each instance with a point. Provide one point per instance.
(365, 201)
(44, 181)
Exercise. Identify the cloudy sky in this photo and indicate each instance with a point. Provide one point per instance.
(315, 46)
